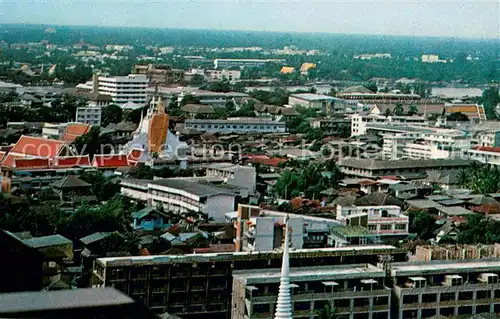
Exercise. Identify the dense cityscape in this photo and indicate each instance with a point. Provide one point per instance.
(161, 173)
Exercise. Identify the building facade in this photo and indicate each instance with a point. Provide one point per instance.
(200, 285)
(360, 122)
(123, 89)
(236, 125)
(243, 63)
(91, 115)
(355, 291)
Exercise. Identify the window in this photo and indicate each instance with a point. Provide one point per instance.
(385, 227)
(401, 226)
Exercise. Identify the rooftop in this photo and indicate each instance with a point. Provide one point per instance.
(308, 274)
(36, 301)
(212, 257)
(312, 97)
(46, 241)
(199, 190)
(448, 267)
(372, 164)
(353, 231)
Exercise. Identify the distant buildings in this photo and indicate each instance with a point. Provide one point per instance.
(373, 56)
(243, 63)
(235, 125)
(431, 58)
(323, 103)
(472, 111)
(360, 122)
(159, 74)
(371, 168)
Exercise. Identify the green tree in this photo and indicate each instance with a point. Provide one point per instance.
(490, 100)
(111, 114)
(93, 142)
(457, 117)
(372, 86)
(422, 224)
(412, 110)
(398, 109)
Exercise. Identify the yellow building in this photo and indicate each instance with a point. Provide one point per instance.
(307, 66)
(287, 70)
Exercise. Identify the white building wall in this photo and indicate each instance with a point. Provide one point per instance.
(217, 206)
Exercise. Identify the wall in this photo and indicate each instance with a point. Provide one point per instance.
(217, 206)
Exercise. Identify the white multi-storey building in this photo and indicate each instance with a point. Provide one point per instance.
(431, 144)
(360, 122)
(235, 125)
(485, 154)
(380, 220)
(123, 89)
(89, 115)
(237, 175)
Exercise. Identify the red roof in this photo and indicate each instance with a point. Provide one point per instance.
(75, 130)
(488, 149)
(37, 146)
(2, 154)
(135, 155)
(265, 160)
(110, 161)
(25, 163)
(71, 161)
(8, 160)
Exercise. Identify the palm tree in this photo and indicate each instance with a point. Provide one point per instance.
(328, 312)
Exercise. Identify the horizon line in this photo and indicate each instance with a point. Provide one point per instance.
(258, 31)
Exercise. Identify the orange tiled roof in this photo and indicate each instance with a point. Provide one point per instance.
(25, 163)
(75, 130)
(2, 154)
(488, 149)
(110, 161)
(37, 146)
(8, 160)
(157, 133)
(287, 70)
(71, 161)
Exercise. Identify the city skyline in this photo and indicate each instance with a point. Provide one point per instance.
(463, 19)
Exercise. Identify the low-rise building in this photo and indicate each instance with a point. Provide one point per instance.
(332, 126)
(243, 63)
(235, 125)
(182, 196)
(319, 102)
(371, 168)
(91, 115)
(260, 229)
(360, 122)
(237, 175)
(446, 288)
(354, 291)
(472, 111)
(484, 154)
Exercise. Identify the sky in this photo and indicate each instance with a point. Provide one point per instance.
(457, 18)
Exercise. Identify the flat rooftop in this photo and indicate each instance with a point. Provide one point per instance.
(257, 276)
(35, 301)
(252, 255)
(445, 267)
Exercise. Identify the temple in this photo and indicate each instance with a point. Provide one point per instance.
(154, 137)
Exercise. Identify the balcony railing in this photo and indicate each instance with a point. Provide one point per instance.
(326, 295)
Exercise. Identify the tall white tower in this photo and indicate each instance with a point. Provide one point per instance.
(284, 304)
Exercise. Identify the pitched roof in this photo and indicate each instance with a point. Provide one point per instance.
(2, 154)
(481, 200)
(356, 89)
(199, 190)
(92, 238)
(198, 109)
(70, 181)
(74, 130)
(110, 161)
(405, 163)
(46, 241)
(37, 146)
(25, 163)
(378, 199)
(145, 212)
(71, 161)
(8, 160)
(488, 149)
(122, 126)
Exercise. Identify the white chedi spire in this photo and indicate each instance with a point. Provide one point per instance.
(284, 304)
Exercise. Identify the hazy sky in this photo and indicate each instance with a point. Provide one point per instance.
(460, 18)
